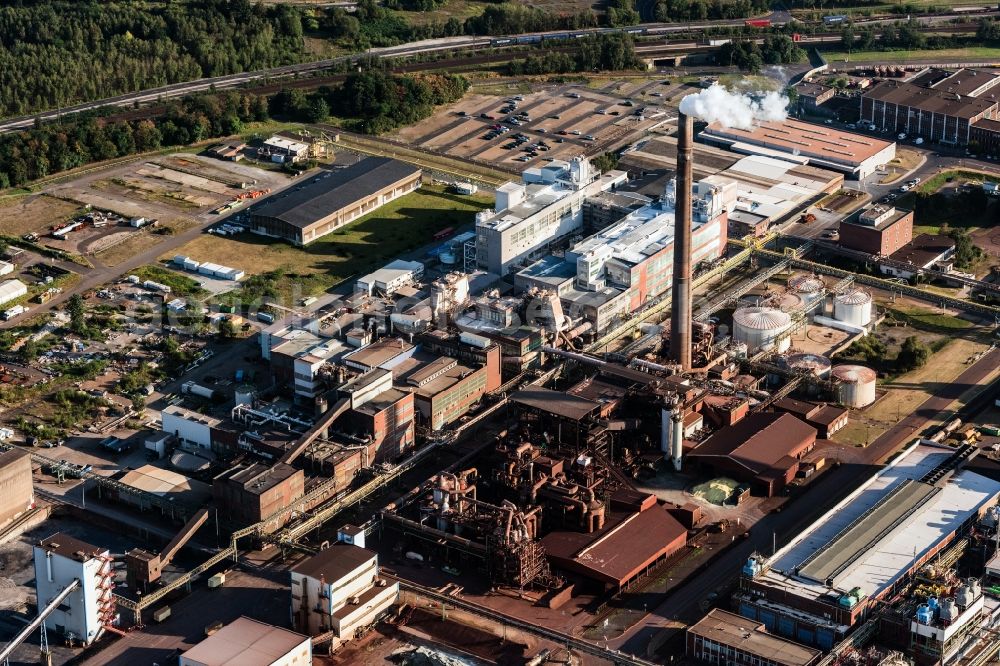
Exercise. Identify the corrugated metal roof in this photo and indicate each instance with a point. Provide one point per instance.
(759, 441)
(246, 642)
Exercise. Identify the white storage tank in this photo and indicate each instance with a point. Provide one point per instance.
(855, 385)
(810, 288)
(853, 307)
(813, 364)
(759, 327)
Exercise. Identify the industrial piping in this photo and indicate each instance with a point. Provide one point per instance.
(680, 318)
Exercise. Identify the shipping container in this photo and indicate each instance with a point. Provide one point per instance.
(161, 614)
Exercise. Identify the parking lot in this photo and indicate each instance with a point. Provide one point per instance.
(557, 122)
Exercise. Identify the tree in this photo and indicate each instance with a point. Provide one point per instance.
(605, 162)
(912, 355)
(77, 315)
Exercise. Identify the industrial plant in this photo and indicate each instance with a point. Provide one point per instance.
(627, 414)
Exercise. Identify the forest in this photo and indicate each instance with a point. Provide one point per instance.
(58, 53)
(375, 100)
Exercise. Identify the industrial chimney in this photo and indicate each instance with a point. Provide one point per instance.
(680, 319)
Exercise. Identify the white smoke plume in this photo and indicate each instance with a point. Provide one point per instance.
(737, 110)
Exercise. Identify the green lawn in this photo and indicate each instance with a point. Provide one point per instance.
(976, 52)
(928, 320)
(374, 240)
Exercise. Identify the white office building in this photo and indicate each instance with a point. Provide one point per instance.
(545, 207)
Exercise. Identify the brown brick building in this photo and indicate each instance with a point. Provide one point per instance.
(247, 494)
(879, 230)
(16, 494)
(940, 109)
(763, 450)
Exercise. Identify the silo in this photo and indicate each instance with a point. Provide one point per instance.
(855, 385)
(246, 394)
(813, 364)
(809, 288)
(853, 307)
(759, 327)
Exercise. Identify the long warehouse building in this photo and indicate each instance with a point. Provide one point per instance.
(326, 202)
(827, 580)
(854, 155)
(934, 105)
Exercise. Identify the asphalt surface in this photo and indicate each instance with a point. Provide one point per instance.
(684, 604)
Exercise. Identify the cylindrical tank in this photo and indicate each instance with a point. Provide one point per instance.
(810, 288)
(856, 385)
(245, 394)
(759, 327)
(853, 307)
(193, 388)
(809, 363)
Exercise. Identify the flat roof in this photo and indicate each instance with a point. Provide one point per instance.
(68, 546)
(748, 635)
(885, 557)
(379, 352)
(259, 478)
(330, 191)
(811, 89)
(965, 81)
(335, 562)
(555, 402)
(621, 548)
(800, 138)
(841, 551)
(246, 642)
(930, 100)
(191, 415)
(923, 250)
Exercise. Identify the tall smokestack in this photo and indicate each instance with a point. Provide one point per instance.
(680, 319)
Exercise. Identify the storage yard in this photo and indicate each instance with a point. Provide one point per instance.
(560, 122)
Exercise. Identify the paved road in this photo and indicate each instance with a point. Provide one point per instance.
(684, 603)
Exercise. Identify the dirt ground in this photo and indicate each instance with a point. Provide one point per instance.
(34, 213)
(908, 391)
(463, 135)
(118, 250)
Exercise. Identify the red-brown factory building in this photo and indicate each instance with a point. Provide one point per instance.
(638, 534)
(764, 450)
(879, 230)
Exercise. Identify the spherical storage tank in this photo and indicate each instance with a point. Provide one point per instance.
(758, 328)
(810, 363)
(853, 307)
(855, 385)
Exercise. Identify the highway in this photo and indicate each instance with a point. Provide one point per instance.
(411, 49)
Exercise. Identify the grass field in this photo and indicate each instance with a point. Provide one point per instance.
(972, 52)
(33, 214)
(928, 320)
(377, 238)
(905, 161)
